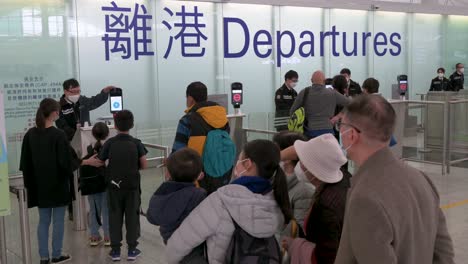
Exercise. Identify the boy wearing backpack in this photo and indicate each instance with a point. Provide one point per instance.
(175, 199)
(126, 156)
(205, 129)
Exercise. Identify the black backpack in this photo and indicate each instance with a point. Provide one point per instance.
(246, 249)
(92, 179)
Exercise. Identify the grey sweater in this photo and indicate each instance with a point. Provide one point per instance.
(319, 106)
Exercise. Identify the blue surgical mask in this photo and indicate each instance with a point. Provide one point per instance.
(343, 148)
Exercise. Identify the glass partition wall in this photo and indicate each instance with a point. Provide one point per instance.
(154, 49)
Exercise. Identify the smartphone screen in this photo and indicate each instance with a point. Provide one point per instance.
(116, 100)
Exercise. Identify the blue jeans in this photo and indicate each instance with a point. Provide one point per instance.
(57, 216)
(98, 208)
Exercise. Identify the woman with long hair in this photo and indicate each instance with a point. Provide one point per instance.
(257, 201)
(47, 171)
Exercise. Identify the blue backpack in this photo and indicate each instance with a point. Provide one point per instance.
(219, 153)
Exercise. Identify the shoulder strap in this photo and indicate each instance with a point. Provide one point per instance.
(306, 94)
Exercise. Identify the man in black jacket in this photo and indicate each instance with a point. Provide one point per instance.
(75, 107)
(440, 83)
(353, 87)
(457, 79)
(285, 96)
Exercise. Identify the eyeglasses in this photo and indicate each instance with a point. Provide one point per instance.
(340, 123)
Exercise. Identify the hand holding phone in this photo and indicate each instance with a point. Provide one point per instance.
(116, 100)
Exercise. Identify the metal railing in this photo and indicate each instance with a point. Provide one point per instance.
(451, 107)
(17, 188)
(3, 247)
(246, 131)
(165, 149)
(414, 104)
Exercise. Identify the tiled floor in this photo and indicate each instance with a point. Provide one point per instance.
(453, 188)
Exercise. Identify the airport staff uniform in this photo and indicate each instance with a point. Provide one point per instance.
(457, 81)
(440, 84)
(284, 99)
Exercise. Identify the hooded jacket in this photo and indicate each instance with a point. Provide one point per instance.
(196, 123)
(171, 204)
(300, 196)
(257, 214)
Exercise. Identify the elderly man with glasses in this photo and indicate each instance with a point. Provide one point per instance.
(392, 212)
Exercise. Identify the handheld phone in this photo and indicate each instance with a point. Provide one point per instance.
(116, 100)
(237, 97)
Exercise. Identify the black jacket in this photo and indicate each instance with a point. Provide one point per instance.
(354, 88)
(457, 81)
(171, 204)
(325, 221)
(46, 163)
(284, 99)
(438, 85)
(72, 114)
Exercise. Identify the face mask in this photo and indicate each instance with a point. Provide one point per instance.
(293, 85)
(462, 70)
(73, 98)
(300, 174)
(281, 164)
(345, 150)
(239, 174)
(441, 75)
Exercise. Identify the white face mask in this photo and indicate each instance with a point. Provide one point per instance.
(293, 85)
(441, 75)
(462, 70)
(73, 98)
(345, 149)
(239, 174)
(300, 174)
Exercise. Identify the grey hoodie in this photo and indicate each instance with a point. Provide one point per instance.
(258, 215)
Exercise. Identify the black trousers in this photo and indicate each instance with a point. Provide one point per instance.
(124, 204)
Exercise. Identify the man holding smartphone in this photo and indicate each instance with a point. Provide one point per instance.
(75, 107)
(75, 110)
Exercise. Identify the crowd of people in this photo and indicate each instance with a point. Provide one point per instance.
(289, 200)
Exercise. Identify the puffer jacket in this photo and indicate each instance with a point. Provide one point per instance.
(300, 197)
(258, 215)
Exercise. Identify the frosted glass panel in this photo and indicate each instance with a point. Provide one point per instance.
(177, 65)
(135, 77)
(305, 24)
(154, 49)
(387, 68)
(349, 47)
(427, 44)
(256, 69)
(34, 62)
(456, 42)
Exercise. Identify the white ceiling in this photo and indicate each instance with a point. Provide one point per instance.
(447, 7)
